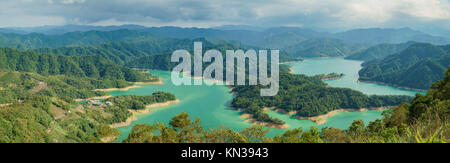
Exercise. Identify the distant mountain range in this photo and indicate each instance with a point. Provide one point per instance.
(59, 30)
(298, 42)
(378, 36)
(253, 35)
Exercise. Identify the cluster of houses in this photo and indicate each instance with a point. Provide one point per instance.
(99, 103)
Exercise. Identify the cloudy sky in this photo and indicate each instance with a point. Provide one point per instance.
(339, 14)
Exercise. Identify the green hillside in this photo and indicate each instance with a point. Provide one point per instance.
(40, 109)
(418, 66)
(379, 51)
(91, 66)
(308, 96)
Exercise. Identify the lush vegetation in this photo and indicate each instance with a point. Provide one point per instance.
(123, 52)
(36, 108)
(418, 66)
(324, 47)
(379, 51)
(39, 81)
(307, 96)
(38, 91)
(424, 120)
(138, 102)
(162, 61)
(96, 70)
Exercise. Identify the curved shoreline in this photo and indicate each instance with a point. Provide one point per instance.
(321, 119)
(118, 89)
(135, 113)
(393, 85)
(253, 121)
(374, 82)
(159, 82)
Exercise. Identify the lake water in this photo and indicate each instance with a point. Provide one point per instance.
(350, 80)
(211, 103)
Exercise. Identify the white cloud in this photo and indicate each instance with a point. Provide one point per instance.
(204, 13)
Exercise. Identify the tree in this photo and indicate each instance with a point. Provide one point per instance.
(357, 127)
(255, 134)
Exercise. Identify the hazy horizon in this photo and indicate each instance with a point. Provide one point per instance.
(328, 15)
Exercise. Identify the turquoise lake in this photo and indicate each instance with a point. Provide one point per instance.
(350, 69)
(211, 103)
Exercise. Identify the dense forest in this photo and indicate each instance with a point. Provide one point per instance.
(424, 120)
(307, 96)
(419, 61)
(138, 102)
(123, 52)
(151, 53)
(98, 71)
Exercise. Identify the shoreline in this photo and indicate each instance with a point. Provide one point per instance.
(253, 121)
(369, 81)
(131, 86)
(321, 119)
(118, 89)
(136, 113)
(393, 85)
(159, 82)
(291, 70)
(288, 62)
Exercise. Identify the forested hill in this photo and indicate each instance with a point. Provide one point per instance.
(418, 66)
(34, 40)
(37, 93)
(123, 52)
(297, 41)
(91, 66)
(40, 109)
(379, 51)
(307, 96)
(151, 53)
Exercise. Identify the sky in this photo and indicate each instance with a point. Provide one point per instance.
(331, 14)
